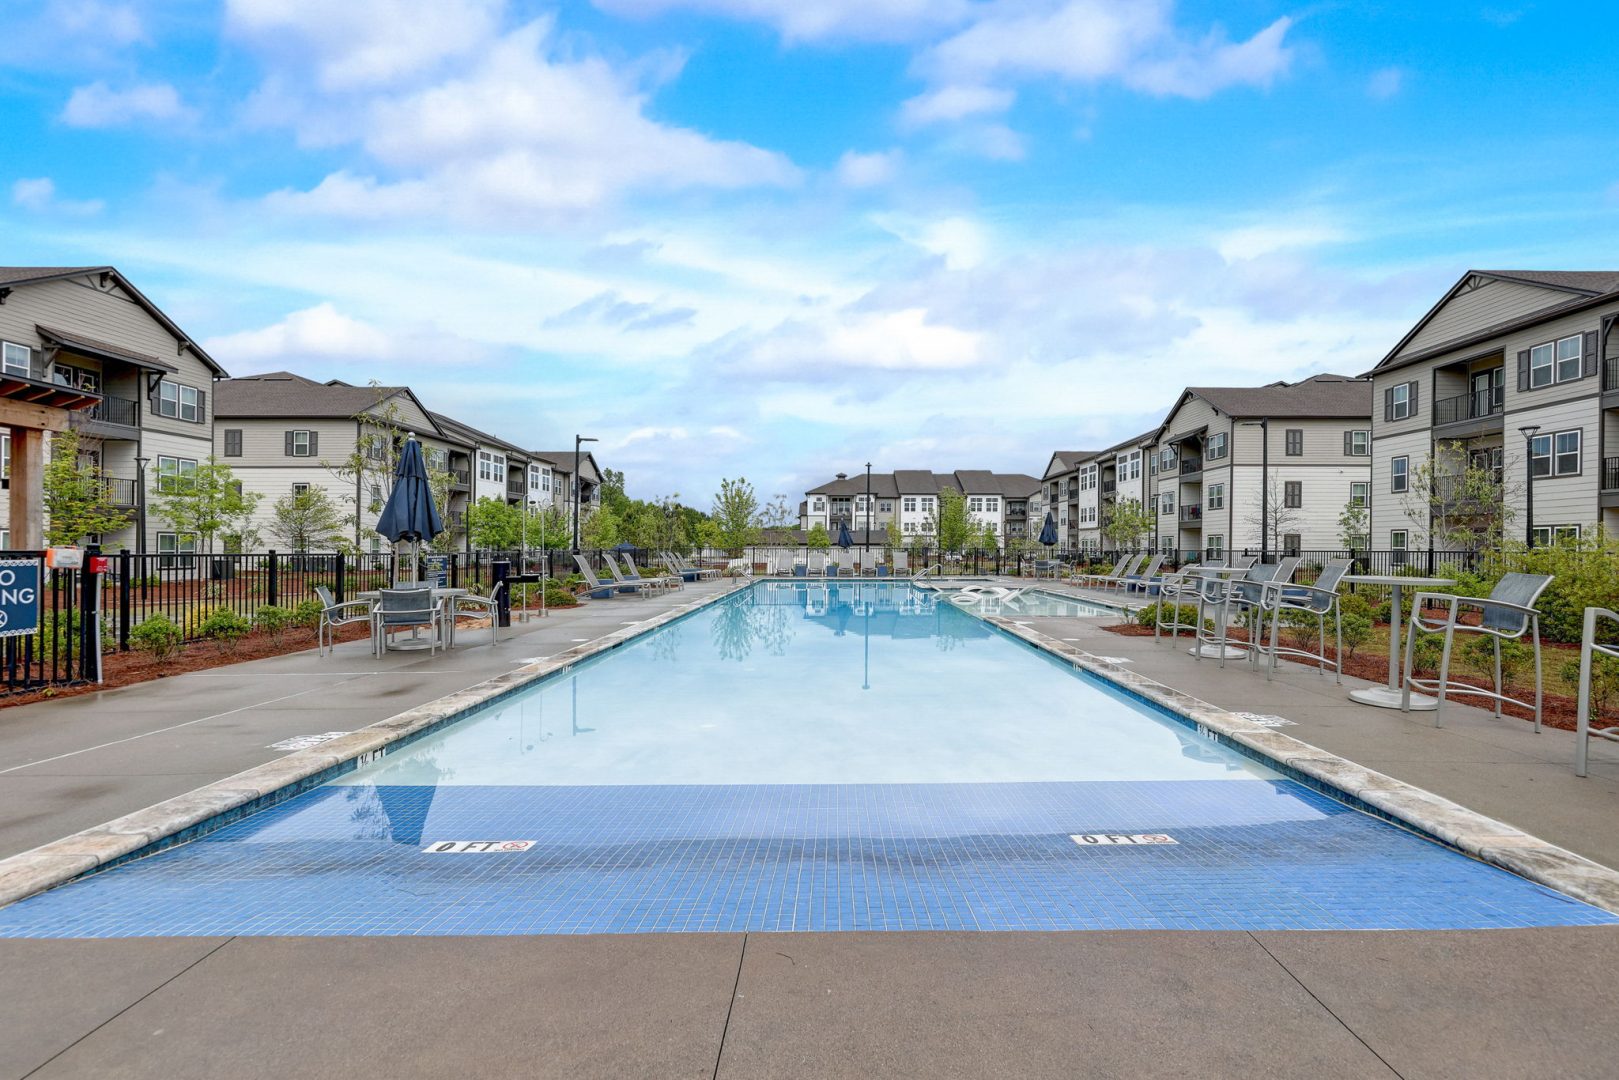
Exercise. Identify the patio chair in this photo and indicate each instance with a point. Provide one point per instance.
(476, 607)
(1244, 593)
(633, 573)
(815, 564)
(596, 588)
(1174, 588)
(1589, 651)
(678, 565)
(1507, 614)
(408, 609)
(1132, 566)
(1145, 578)
(1047, 568)
(1319, 600)
(1112, 575)
(333, 615)
(902, 563)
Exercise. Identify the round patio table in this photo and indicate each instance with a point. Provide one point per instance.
(1390, 696)
(415, 641)
(1212, 652)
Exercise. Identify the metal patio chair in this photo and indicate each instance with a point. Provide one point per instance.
(1182, 585)
(1589, 651)
(334, 614)
(608, 589)
(473, 606)
(1143, 578)
(1242, 593)
(408, 609)
(1319, 600)
(1507, 614)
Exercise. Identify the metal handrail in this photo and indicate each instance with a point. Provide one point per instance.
(1589, 650)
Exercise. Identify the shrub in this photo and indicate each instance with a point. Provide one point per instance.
(273, 620)
(307, 614)
(1426, 651)
(1604, 682)
(1148, 616)
(1357, 631)
(157, 636)
(1479, 654)
(1356, 604)
(1583, 576)
(1301, 628)
(224, 626)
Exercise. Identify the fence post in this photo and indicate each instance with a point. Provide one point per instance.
(455, 569)
(275, 579)
(337, 578)
(125, 564)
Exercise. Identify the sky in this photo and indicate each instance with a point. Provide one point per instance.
(778, 239)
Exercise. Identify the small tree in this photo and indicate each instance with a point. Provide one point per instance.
(1128, 523)
(893, 535)
(366, 475)
(1277, 519)
(549, 527)
(988, 538)
(1354, 524)
(203, 503)
(493, 525)
(949, 522)
(818, 538)
(776, 514)
(306, 520)
(1456, 504)
(601, 529)
(76, 500)
(736, 515)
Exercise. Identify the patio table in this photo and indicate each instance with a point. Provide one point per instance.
(1390, 696)
(415, 641)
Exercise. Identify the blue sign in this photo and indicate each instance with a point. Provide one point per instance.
(19, 597)
(436, 570)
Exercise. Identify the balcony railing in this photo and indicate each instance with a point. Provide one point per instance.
(1189, 467)
(113, 410)
(1471, 406)
(1610, 474)
(1610, 374)
(120, 492)
(516, 489)
(1191, 515)
(460, 478)
(1109, 487)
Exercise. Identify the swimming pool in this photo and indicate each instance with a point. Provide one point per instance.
(802, 756)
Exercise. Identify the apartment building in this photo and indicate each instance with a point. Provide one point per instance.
(1063, 489)
(559, 485)
(1515, 371)
(1291, 454)
(88, 329)
(1120, 473)
(496, 469)
(910, 497)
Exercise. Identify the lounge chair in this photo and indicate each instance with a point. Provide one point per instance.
(1116, 579)
(408, 609)
(815, 564)
(599, 589)
(686, 570)
(633, 573)
(902, 563)
(334, 614)
(1147, 577)
(1112, 575)
(1507, 614)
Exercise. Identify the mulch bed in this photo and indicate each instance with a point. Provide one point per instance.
(1557, 710)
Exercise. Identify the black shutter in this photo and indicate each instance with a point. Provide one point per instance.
(286, 447)
(1414, 385)
(1388, 405)
(1523, 370)
(314, 443)
(202, 406)
(233, 442)
(1590, 354)
(36, 364)
(155, 395)
(1349, 443)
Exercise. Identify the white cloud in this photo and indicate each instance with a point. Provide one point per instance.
(322, 335)
(91, 32)
(38, 195)
(1252, 241)
(522, 131)
(815, 20)
(892, 341)
(857, 170)
(1385, 83)
(962, 242)
(97, 105)
(953, 102)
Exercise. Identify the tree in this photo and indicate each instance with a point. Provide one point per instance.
(988, 538)
(894, 537)
(306, 520)
(1354, 525)
(818, 538)
(601, 529)
(76, 499)
(1278, 520)
(367, 473)
(612, 491)
(493, 524)
(736, 516)
(948, 522)
(549, 527)
(777, 514)
(1128, 523)
(203, 503)
(1455, 503)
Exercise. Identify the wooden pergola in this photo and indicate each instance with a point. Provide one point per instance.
(29, 408)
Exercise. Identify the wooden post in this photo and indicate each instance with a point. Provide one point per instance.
(27, 488)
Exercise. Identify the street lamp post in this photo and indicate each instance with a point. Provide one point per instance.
(865, 554)
(1528, 432)
(140, 505)
(577, 440)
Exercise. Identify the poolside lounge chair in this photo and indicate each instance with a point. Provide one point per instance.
(1507, 614)
(599, 589)
(472, 606)
(902, 563)
(334, 614)
(687, 570)
(1112, 575)
(408, 609)
(633, 573)
(1146, 577)
(815, 564)
(1129, 565)
(1319, 600)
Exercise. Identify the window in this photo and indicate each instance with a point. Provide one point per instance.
(992, 504)
(1397, 543)
(1359, 494)
(300, 443)
(1402, 401)
(1546, 535)
(907, 505)
(233, 442)
(1358, 443)
(435, 458)
(1292, 543)
(1568, 358)
(818, 506)
(1293, 494)
(1216, 544)
(5, 458)
(300, 489)
(176, 474)
(975, 504)
(1217, 447)
(179, 402)
(77, 377)
(910, 526)
(885, 506)
(175, 549)
(1399, 473)
(927, 502)
(17, 359)
(545, 479)
(533, 478)
(1295, 442)
(1132, 467)
(1555, 455)
(1216, 496)
(1169, 503)
(491, 466)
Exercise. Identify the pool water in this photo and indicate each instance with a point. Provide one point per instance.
(1034, 603)
(803, 756)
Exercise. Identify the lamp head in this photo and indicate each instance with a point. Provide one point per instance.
(1528, 430)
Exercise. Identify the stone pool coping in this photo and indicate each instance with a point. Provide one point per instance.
(212, 806)
(1403, 804)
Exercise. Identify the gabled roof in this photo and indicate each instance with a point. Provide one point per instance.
(1064, 461)
(1132, 442)
(1318, 397)
(473, 437)
(926, 482)
(282, 394)
(563, 459)
(1577, 289)
(19, 276)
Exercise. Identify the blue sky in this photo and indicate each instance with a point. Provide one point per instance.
(780, 238)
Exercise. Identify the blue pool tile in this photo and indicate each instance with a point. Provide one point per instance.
(348, 861)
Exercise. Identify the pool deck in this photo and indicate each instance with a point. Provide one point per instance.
(1499, 1003)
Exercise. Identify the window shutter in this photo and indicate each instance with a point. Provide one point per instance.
(202, 406)
(154, 395)
(233, 442)
(36, 363)
(1414, 385)
(1523, 370)
(1388, 405)
(286, 448)
(1590, 353)
(1349, 443)
(314, 443)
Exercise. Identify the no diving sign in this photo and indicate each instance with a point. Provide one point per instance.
(476, 847)
(1089, 839)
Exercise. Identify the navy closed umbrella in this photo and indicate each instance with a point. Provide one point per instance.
(844, 539)
(409, 513)
(1048, 531)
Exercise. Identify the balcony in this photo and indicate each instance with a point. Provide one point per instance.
(1610, 474)
(1477, 405)
(110, 418)
(455, 519)
(121, 494)
(1109, 487)
(1191, 467)
(1191, 515)
(1610, 375)
(460, 480)
(516, 489)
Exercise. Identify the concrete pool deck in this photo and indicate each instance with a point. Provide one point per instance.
(1098, 1003)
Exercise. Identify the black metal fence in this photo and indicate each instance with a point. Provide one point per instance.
(62, 649)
